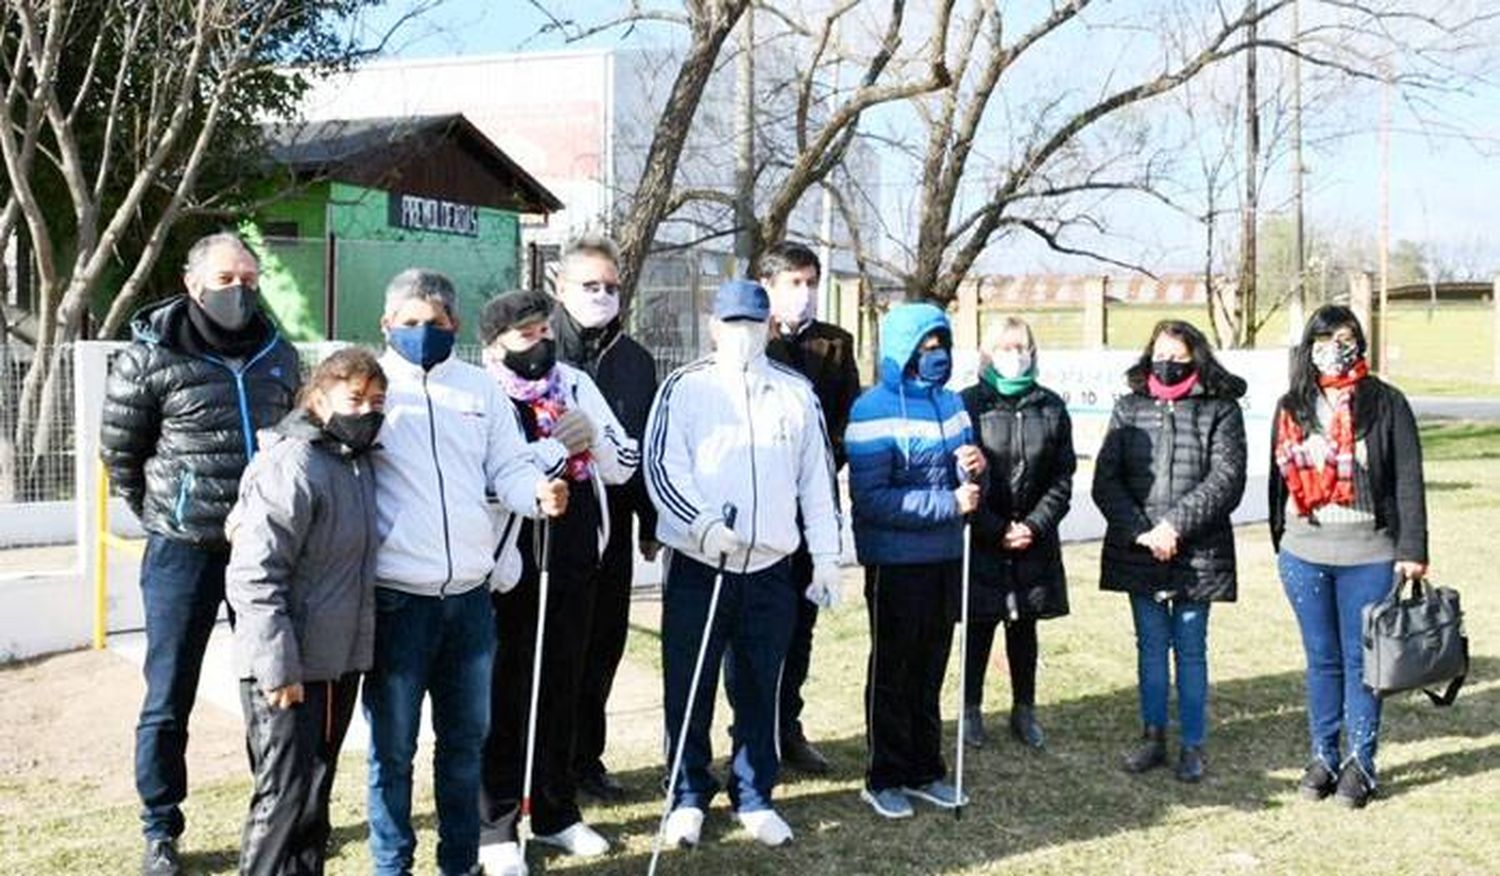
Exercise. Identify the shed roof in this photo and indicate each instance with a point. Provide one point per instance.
(435, 156)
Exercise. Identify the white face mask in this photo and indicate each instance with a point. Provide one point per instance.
(588, 307)
(791, 305)
(740, 342)
(1011, 364)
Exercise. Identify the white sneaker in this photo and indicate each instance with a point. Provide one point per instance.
(767, 827)
(502, 859)
(577, 840)
(684, 827)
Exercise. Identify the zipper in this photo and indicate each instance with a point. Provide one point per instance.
(247, 425)
(754, 479)
(184, 487)
(442, 492)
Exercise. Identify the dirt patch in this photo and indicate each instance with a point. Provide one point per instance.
(70, 719)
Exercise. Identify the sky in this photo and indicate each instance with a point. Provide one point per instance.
(1445, 189)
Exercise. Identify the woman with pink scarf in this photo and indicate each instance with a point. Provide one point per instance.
(1171, 470)
(555, 403)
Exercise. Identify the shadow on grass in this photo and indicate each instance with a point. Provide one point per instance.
(1073, 792)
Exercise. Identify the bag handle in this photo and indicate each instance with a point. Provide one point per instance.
(1399, 581)
(1450, 694)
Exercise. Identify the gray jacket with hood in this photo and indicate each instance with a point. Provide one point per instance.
(301, 571)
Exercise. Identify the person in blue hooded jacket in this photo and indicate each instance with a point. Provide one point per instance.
(914, 474)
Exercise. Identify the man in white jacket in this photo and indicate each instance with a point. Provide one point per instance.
(451, 442)
(736, 430)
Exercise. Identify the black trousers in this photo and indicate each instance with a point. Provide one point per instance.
(798, 654)
(606, 645)
(1020, 655)
(911, 611)
(574, 561)
(293, 755)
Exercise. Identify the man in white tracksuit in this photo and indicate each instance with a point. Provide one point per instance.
(451, 444)
(736, 429)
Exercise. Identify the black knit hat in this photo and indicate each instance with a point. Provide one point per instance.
(510, 309)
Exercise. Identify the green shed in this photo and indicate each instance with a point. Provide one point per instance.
(367, 198)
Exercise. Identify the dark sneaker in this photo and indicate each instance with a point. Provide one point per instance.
(161, 859)
(1151, 754)
(800, 755)
(888, 803)
(1190, 765)
(974, 732)
(1318, 781)
(1355, 787)
(602, 787)
(1025, 729)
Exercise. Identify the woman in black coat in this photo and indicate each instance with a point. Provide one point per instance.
(1171, 470)
(1348, 511)
(1016, 571)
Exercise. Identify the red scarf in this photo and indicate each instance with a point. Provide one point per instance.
(1174, 392)
(1329, 481)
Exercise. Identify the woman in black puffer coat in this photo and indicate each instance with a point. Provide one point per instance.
(1016, 572)
(1170, 472)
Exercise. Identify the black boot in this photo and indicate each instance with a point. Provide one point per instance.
(799, 754)
(1318, 781)
(1190, 765)
(1025, 729)
(1355, 786)
(975, 735)
(1151, 754)
(161, 858)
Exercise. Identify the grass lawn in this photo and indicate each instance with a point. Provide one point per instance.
(1069, 810)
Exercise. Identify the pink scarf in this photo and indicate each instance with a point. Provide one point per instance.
(548, 402)
(1175, 392)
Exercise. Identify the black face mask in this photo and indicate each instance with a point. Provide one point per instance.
(1171, 373)
(535, 362)
(355, 431)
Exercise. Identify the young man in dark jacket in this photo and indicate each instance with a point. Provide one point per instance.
(590, 337)
(183, 403)
(825, 355)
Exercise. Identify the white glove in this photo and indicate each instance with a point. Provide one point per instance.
(575, 430)
(826, 590)
(720, 540)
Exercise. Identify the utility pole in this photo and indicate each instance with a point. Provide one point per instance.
(826, 309)
(744, 153)
(1245, 330)
(1299, 171)
(1382, 364)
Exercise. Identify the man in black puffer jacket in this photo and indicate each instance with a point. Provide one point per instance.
(183, 403)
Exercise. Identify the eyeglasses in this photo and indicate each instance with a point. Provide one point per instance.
(594, 287)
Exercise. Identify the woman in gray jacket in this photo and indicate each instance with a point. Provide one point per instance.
(301, 583)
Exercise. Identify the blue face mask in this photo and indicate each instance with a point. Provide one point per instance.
(424, 345)
(934, 367)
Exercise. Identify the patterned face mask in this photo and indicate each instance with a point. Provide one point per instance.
(1334, 358)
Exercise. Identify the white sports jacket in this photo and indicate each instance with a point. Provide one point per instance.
(451, 440)
(754, 438)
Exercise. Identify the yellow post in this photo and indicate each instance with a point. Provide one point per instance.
(101, 558)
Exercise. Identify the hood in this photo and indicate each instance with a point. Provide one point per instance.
(901, 332)
(157, 322)
(295, 426)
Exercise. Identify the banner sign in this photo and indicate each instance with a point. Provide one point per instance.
(416, 213)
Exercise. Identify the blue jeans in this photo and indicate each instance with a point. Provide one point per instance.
(1179, 626)
(755, 613)
(441, 646)
(1329, 602)
(182, 586)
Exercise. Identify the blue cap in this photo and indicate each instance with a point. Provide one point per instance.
(742, 299)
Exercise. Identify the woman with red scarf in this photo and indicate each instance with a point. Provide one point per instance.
(1170, 471)
(1347, 507)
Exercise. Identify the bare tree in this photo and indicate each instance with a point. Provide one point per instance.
(116, 109)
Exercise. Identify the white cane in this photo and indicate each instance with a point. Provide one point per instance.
(687, 716)
(963, 668)
(544, 563)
